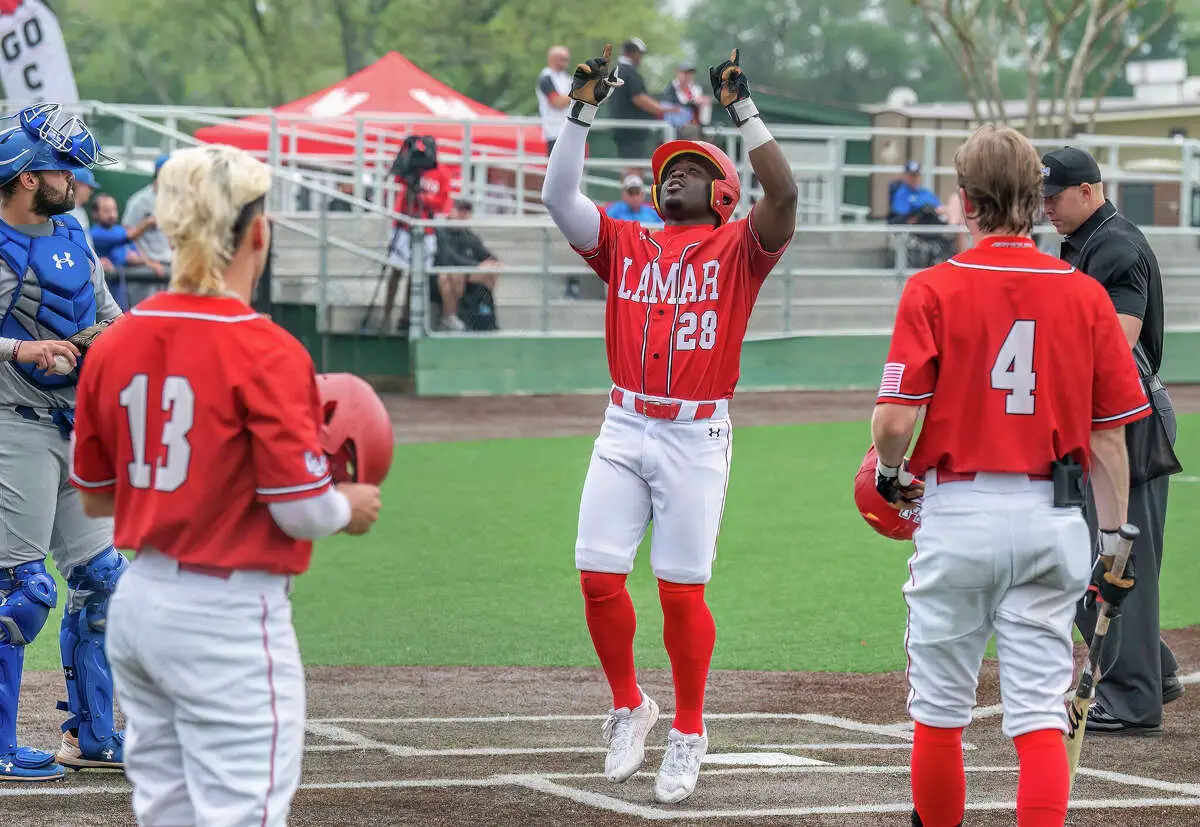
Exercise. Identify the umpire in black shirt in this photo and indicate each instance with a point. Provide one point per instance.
(1111, 249)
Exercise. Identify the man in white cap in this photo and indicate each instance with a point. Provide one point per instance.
(633, 206)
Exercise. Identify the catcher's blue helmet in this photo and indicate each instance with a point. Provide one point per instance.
(36, 144)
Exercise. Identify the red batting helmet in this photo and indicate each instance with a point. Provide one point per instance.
(888, 521)
(356, 431)
(726, 186)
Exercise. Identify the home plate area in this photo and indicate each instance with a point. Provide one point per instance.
(795, 768)
(503, 746)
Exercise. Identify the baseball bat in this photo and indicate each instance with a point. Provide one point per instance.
(1089, 676)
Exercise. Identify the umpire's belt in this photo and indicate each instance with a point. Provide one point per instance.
(680, 410)
(61, 418)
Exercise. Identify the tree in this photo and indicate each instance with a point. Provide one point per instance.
(845, 53)
(1066, 48)
(260, 53)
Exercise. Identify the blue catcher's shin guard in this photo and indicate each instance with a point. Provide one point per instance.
(85, 665)
(27, 594)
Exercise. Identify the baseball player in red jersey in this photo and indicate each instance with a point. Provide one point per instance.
(679, 299)
(1029, 383)
(197, 430)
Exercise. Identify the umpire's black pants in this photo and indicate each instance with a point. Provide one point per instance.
(1131, 686)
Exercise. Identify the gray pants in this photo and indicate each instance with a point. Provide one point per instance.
(1131, 687)
(40, 511)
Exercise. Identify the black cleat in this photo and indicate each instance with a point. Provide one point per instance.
(1172, 689)
(1101, 722)
(916, 820)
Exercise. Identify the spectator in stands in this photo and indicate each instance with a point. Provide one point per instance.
(118, 243)
(553, 84)
(631, 103)
(85, 186)
(432, 199)
(153, 242)
(909, 202)
(341, 204)
(633, 206)
(693, 106)
(467, 298)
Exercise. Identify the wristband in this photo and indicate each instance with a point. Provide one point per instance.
(581, 113)
(8, 349)
(894, 472)
(742, 111)
(755, 133)
(1108, 542)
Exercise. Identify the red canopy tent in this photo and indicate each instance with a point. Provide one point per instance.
(390, 86)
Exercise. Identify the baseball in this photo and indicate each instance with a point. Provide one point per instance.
(62, 366)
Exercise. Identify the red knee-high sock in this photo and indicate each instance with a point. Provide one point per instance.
(689, 635)
(939, 781)
(612, 623)
(1044, 785)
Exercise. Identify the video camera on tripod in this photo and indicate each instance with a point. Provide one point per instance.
(417, 155)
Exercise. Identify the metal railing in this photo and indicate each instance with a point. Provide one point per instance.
(841, 274)
(835, 279)
(819, 164)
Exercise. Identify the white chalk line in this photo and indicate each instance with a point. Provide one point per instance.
(826, 720)
(995, 710)
(418, 752)
(1185, 478)
(1139, 781)
(546, 783)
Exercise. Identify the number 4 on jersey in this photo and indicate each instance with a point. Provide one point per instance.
(1013, 369)
(179, 402)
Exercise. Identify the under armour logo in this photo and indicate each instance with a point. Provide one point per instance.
(714, 432)
(108, 754)
(318, 466)
(65, 258)
(7, 766)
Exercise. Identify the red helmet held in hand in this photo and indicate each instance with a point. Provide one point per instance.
(888, 521)
(356, 431)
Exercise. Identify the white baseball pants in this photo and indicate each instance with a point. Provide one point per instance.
(994, 556)
(674, 472)
(208, 674)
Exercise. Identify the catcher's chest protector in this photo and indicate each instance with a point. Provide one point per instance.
(54, 297)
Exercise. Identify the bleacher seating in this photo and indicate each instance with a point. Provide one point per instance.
(828, 290)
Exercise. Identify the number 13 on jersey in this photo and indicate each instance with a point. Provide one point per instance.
(179, 404)
(1013, 369)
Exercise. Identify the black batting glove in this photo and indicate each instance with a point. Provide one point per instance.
(1104, 587)
(590, 86)
(732, 89)
(897, 486)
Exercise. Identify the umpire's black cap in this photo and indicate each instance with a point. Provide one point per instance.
(1068, 167)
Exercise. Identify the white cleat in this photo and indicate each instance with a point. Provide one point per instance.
(680, 766)
(625, 731)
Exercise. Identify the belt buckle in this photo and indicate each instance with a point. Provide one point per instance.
(660, 410)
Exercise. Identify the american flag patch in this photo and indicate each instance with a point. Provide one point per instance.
(893, 372)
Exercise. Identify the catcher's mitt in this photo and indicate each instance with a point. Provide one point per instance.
(84, 338)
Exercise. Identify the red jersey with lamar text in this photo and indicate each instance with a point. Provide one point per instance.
(196, 412)
(1019, 357)
(679, 300)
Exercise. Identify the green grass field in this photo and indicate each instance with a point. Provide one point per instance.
(472, 562)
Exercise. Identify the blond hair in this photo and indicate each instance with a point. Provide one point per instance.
(1000, 173)
(202, 192)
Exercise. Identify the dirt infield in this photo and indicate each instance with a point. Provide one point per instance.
(522, 746)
